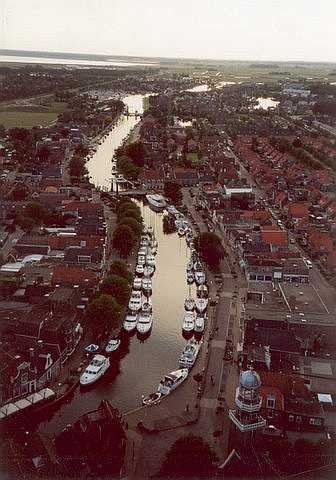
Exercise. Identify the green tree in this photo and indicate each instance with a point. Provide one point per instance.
(137, 152)
(130, 213)
(210, 249)
(134, 224)
(172, 190)
(120, 268)
(123, 240)
(104, 312)
(189, 457)
(117, 287)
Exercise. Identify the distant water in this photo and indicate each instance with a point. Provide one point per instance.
(71, 61)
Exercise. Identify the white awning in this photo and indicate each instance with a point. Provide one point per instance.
(46, 393)
(23, 403)
(325, 397)
(34, 398)
(8, 409)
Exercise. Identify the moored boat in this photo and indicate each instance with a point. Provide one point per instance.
(202, 291)
(151, 398)
(144, 322)
(199, 324)
(137, 283)
(135, 301)
(96, 369)
(139, 269)
(172, 380)
(190, 278)
(199, 277)
(188, 321)
(201, 304)
(146, 285)
(149, 270)
(146, 305)
(130, 322)
(112, 345)
(189, 354)
(156, 202)
(189, 303)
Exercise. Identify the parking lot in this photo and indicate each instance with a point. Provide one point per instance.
(302, 298)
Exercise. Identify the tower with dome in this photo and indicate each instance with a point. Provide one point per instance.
(246, 416)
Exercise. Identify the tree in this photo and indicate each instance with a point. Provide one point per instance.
(172, 190)
(117, 287)
(130, 213)
(210, 249)
(104, 312)
(35, 210)
(123, 240)
(120, 269)
(133, 223)
(189, 457)
(137, 152)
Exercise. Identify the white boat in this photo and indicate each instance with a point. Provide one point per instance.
(150, 260)
(201, 304)
(199, 277)
(137, 283)
(96, 369)
(172, 380)
(144, 241)
(139, 269)
(157, 202)
(190, 277)
(148, 270)
(189, 354)
(135, 302)
(181, 231)
(141, 260)
(172, 210)
(189, 267)
(199, 324)
(189, 303)
(144, 322)
(146, 305)
(142, 251)
(112, 345)
(130, 322)
(146, 285)
(188, 321)
(202, 291)
(198, 266)
(149, 230)
(153, 243)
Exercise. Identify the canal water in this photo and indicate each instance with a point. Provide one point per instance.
(138, 365)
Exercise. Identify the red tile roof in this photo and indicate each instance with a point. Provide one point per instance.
(299, 210)
(273, 235)
(64, 275)
(320, 241)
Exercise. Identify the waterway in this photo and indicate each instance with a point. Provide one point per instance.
(138, 365)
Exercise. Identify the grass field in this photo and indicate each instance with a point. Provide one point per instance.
(22, 115)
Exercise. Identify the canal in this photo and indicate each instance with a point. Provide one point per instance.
(138, 365)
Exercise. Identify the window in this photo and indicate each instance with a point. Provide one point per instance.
(298, 419)
(260, 278)
(270, 401)
(315, 421)
(252, 277)
(291, 418)
(268, 278)
(84, 258)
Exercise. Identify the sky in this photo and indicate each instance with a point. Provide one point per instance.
(300, 30)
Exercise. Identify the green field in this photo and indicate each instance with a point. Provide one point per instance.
(21, 115)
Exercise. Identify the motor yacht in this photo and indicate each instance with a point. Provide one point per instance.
(202, 291)
(199, 277)
(172, 380)
(156, 202)
(199, 324)
(144, 322)
(188, 322)
(142, 260)
(146, 305)
(189, 267)
(189, 304)
(190, 278)
(130, 322)
(139, 269)
(137, 283)
(135, 302)
(112, 345)
(181, 232)
(96, 369)
(151, 398)
(201, 304)
(142, 251)
(189, 354)
(150, 260)
(146, 285)
(149, 270)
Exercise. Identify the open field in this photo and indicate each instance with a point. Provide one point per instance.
(23, 114)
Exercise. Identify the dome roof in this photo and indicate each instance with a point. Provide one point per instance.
(250, 379)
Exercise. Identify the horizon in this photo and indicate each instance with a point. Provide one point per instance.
(198, 59)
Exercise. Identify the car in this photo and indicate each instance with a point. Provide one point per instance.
(308, 263)
(92, 348)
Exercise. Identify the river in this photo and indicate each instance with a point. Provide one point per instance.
(138, 365)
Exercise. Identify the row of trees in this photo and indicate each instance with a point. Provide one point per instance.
(131, 159)
(129, 227)
(105, 310)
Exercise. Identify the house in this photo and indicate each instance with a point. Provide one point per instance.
(186, 177)
(69, 276)
(297, 211)
(274, 236)
(151, 178)
(293, 270)
(83, 256)
(319, 242)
